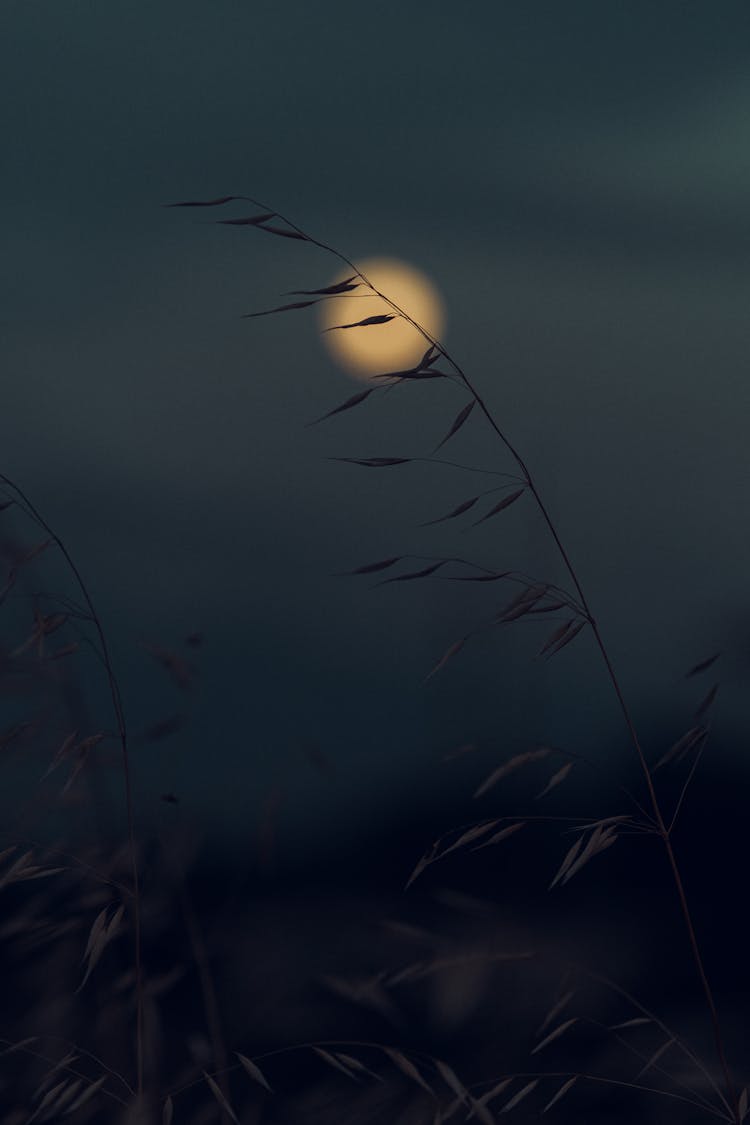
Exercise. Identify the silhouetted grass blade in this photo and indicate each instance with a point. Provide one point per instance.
(373, 462)
(707, 702)
(522, 1093)
(355, 400)
(327, 290)
(220, 1098)
(284, 233)
(501, 505)
(254, 1071)
(459, 511)
(571, 632)
(702, 665)
(457, 424)
(209, 202)
(279, 308)
(380, 318)
(424, 573)
(371, 568)
(561, 1093)
(247, 220)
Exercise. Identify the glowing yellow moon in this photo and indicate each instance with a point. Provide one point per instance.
(377, 348)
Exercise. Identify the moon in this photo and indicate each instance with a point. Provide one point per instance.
(378, 348)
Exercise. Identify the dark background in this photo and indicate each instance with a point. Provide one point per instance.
(574, 178)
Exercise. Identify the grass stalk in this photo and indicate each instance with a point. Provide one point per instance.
(122, 734)
(659, 820)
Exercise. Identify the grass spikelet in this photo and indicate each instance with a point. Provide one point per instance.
(519, 1097)
(557, 779)
(220, 1097)
(561, 1093)
(511, 766)
(456, 425)
(501, 505)
(554, 1035)
(355, 400)
(254, 1071)
(702, 665)
(335, 1061)
(407, 1067)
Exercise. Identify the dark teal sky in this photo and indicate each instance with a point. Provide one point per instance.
(575, 178)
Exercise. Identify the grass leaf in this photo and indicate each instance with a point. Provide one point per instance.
(479, 577)
(209, 202)
(561, 1093)
(522, 1093)
(459, 511)
(371, 568)
(556, 636)
(458, 422)
(381, 318)
(702, 665)
(284, 233)
(683, 745)
(279, 308)
(600, 839)
(503, 834)
(86, 1095)
(350, 402)
(470, 835)
(502, 505)
(495, 1092)
(707, 702)
(570, 634)
(451, 652)
(220, 1098)
(556, 779)
(335, 1062)
(407, 1067)
(424, 573)
(327, 290)
(247, 221)
(553, 1035)
(569, 858)
(512, 764)
(374, 462)
(254, 1071)
(655, 1057)
(452, 1081)
(555, 1010)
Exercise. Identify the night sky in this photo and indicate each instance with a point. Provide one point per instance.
(574, 178)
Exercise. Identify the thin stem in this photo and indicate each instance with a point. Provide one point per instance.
(653, 1066)
(631, 999)
(654, 800)
(685, 787)
(114, 689)
(205, 977)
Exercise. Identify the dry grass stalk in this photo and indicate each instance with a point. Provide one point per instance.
(602, 836)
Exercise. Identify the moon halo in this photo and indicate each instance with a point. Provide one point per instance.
(378, 348)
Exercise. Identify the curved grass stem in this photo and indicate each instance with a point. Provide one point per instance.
(659, 819)
(122, 734)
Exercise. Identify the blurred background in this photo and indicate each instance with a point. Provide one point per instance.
(574, 180)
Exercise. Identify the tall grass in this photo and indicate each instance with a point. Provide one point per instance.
(650, 816)
(113, 954)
